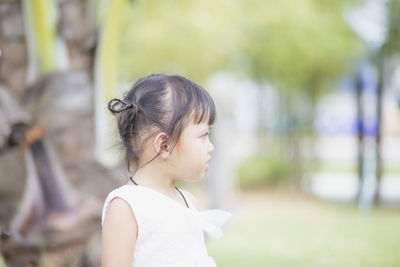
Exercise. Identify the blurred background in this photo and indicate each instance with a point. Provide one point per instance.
(307, 133)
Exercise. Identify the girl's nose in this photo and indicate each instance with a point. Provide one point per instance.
(210, 147)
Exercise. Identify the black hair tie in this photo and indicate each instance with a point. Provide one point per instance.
(116, 105)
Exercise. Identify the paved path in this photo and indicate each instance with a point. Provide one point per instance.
(343, 187)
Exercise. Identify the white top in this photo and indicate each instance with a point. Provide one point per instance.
(169, 234)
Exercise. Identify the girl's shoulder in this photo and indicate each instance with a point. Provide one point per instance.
(126, 192)
(132, 195)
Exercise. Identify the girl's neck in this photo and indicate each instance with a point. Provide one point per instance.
(155, 176)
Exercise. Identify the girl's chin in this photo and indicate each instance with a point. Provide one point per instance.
(195, 178)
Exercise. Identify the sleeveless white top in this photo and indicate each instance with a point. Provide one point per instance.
(169, 234)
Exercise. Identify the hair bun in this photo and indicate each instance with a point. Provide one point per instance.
(116, 105)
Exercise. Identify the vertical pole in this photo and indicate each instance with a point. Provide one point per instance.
(378, 136)
(360, 134)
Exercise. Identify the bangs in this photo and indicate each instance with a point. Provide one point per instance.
(190, 100)
(204, 108)
(189, 103)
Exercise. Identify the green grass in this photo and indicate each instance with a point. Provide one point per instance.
(292, 230)
(348, 167)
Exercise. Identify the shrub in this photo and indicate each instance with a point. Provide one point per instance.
(263, 169)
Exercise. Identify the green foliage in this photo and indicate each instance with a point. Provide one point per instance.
(263, 169)
(392, 43)
(297, 45)
(192, 38)
(302, 45)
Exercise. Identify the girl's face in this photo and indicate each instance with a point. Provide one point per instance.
(193, 151)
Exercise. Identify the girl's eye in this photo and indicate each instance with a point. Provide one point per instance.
(205, 135)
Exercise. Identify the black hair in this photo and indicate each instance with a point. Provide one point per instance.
(159, 103)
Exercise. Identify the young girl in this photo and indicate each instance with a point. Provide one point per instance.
(164, 123)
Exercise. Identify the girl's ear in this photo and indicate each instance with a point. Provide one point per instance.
(160, 145)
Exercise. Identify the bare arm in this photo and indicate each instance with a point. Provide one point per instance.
(119, 235)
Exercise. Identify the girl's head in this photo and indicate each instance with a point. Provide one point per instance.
(156, 112)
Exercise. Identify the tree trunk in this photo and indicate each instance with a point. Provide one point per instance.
(48, 212)
(378, 136)
(360, 133)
